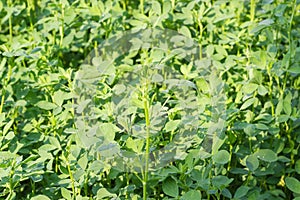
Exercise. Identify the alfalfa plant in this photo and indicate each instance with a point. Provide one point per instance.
(140, 86)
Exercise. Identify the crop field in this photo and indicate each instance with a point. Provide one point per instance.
(158, 99)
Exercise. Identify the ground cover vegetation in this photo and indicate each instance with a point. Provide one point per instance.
(213, 113)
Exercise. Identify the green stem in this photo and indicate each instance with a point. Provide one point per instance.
(147, 119)
(142, 6)
(271, 88)
(173, 4)
(32, 187)
(69, 169)
(86, 182)
(124, 4)
(72, 178)
(2, 100)
(252, 10)
(96, 49)
(30, 6)
(4, 86)
(291, 48)
(61, 29)
(200, 38)
(10, 23)
(291, 23)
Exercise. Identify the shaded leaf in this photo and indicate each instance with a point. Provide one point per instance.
(241, 192)
(170, 187)
(252, 162)
(192, 194)
(293, 184)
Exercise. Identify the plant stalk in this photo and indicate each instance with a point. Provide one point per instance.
(252, 10)
(147, 119)
(10, 23)
(142, 6)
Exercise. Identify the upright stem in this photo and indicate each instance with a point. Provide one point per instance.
(10, 23)
(5, 84)
(290, 29)
(200, 38)
(252, 10)
(147, 119)
(69, 169)
(142, 6)
(96, 49)
(2, 100)
(61, 28)
(291, 47)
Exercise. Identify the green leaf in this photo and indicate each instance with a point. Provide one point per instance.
(156, 7)
(46, 105)
(287, 105)
(172, 125)
(203, 85)
(293, 184)
(5, 155)
(282, 118)
(170, 187)
(221, 157)
(221, 181)
(217, 143)
(66, 193)
(297, 166)
(108, 131)
(104, 193)
(266, 155)
(249, 88)
(226, 193)
(40, 197)
(83, 161)
(247, 103)
(280, 9)
(210, 50)
(261, 25)
(279, 107)
(221, 50)
(8, 126)
(135, 144)
(119, 89)
(68, 39)
(54, 141)
(58, 97)
(69, 15)
(185, 31)
(157, 78)
(262, 90)
(295, 68)
(261, 127)
(241, 192)
(109, 149)
(192, 194)
(252, 162)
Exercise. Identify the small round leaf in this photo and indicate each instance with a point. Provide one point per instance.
(221, 157)
(293, 184)
(252, 163)
(266, 155)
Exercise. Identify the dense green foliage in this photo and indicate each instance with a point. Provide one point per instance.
(253, 46)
